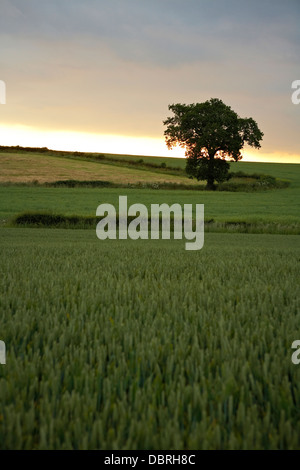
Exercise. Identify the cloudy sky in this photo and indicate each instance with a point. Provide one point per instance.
(98, 75)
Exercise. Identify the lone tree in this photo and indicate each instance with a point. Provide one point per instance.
(211, 132)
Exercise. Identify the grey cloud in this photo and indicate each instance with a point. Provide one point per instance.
(165, 32)
(100, 65)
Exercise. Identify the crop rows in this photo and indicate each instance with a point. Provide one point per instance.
(142, 345)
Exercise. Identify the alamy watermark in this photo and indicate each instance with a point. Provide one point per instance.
(2, 352)
(296, 355)
(142, 226)
(2, 92)
(296, 93)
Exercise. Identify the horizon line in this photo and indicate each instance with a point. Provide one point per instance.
(131, 154)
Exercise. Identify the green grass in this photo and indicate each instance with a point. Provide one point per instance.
(140, 159)
(29, 165)
(143, 345)
(273, 211)
(36, 219)
(269, 206)
(277, 169)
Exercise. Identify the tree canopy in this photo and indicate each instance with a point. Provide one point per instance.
(211, 133)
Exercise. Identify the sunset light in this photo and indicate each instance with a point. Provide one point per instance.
(26, 136)
(84, 142)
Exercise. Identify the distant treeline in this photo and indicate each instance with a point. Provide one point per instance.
(17, 148)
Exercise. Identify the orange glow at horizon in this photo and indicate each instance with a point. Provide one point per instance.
(84, 142)
(105, 143)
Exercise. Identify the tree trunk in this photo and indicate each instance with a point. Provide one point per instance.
(210, 177)
(210, 186)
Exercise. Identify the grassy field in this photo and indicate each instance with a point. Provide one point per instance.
(142, 345)
(35, 165)
(29, 167)
(272, 206)
(170, 162)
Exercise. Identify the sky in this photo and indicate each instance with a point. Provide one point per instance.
(98, 75)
